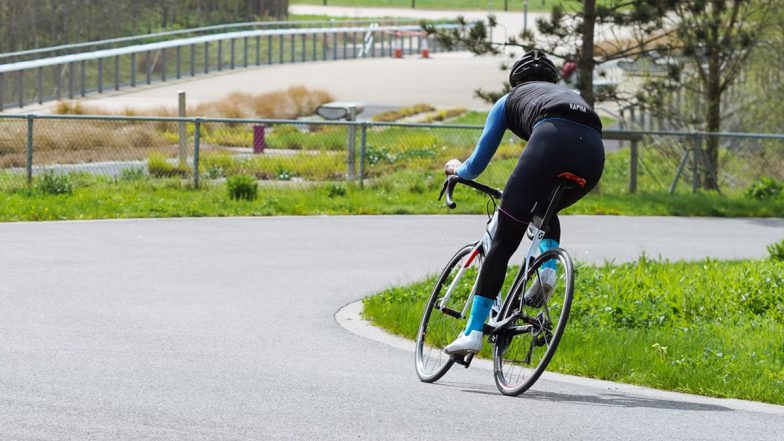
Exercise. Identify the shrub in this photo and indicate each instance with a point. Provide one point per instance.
(159, 167)
(776, 251)
(336, 190)
(284, 174)
(242, 187)
(51, 183)
(765, 188)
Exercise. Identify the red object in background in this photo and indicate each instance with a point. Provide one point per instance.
(568, 69)
(258, 139)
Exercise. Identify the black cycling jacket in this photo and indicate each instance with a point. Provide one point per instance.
(534, 101)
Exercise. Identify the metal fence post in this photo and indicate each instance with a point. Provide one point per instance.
(116, 73)
(206, 57)
(100, 75)
(30, 149)
(258, 50)
(352, 142)
(245, 52)
(232, 44)
(633, 162)
(133, 72)
(196, 146)
(269, 49)
(220, 55)
(280, 49)
(193, 60)
(40, 85)
(178, 61)
(293, 47)
(164, 64)
(362, 152)
(182, 132)
(148, 66)
(21, 88)
(1, 92)
(83, 80)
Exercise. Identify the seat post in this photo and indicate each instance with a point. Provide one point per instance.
(548, 215)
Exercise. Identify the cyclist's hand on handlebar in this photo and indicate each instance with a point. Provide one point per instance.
(450, 168)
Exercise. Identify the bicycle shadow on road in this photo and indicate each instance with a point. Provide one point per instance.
(601, 399)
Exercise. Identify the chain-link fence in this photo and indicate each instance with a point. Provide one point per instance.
(304, 153)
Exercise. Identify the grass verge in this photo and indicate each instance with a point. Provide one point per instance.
(137, 195)
(710, 328)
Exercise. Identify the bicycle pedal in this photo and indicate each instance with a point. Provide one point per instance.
(463, 360)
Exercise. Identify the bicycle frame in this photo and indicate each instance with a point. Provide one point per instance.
(535, 231)
(537, 236)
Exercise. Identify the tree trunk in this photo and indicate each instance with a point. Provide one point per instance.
(586, 62)
(713, 90)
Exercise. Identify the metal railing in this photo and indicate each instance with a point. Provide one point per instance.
(65, 49)
(308, 152)
(76, 75)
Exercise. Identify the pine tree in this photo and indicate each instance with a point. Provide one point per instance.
(714, 40)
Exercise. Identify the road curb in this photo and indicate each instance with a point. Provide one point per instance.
(349, 317)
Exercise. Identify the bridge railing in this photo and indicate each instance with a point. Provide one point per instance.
(89, 46)
(76, 75)
(305, 153)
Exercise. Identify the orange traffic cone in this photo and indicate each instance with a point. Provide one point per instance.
(398, 49)
(425, 52)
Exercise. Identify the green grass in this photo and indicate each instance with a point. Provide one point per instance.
(403, 169)
(401, 192)
(711, 327)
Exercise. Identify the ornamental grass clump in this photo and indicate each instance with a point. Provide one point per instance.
(242, 187)
(51, 183)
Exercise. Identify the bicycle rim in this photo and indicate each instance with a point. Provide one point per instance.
(523, 351)
(437, 329)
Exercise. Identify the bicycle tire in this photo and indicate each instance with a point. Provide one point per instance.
(514, 349)
(437, 329)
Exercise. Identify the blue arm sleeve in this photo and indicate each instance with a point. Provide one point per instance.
(488, 143)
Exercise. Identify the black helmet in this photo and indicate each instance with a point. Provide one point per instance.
(533, 66)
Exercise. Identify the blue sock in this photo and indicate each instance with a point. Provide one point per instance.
(546, 245)
(479, 312)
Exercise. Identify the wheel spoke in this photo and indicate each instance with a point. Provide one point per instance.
(438, 328)
(521, 358)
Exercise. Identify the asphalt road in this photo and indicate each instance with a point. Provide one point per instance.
(223, 329)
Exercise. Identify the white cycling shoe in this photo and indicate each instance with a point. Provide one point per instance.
(538, 293)
(466, 344)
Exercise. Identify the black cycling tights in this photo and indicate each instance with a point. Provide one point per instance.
(556, 146)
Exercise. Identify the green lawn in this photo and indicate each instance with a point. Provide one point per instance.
(403, 192)
(711, 327)
(304, 173)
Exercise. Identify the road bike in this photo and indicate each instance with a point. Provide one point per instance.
(524, 332)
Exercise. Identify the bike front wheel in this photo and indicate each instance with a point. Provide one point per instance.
(442, 321)
(523, 349)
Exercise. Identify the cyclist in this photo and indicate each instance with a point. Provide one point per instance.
(564, 135)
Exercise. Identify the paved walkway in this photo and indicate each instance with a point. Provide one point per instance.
(445, 80)
(224, 329)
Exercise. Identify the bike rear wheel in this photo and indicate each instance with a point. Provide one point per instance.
(438, 328)
(522, 351)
